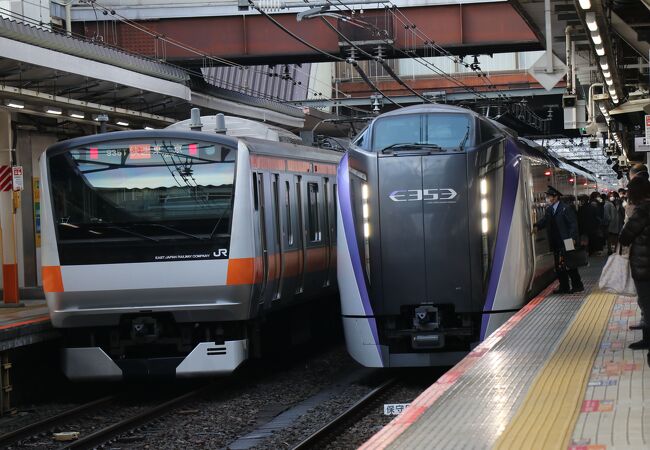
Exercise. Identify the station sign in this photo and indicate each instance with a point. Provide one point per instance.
(394, 409)
(641, 144)
(647, 126)
(17, 178)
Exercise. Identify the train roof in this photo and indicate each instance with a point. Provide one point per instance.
(240, 127)
(286, 149)
(429, 108)
(262, 146)
(141, 134)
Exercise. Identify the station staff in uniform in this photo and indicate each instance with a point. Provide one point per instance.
(561, 223)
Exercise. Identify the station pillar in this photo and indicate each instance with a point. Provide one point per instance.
(7, 215)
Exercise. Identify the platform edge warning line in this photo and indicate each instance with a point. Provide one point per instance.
(401, 423)
(549, 412)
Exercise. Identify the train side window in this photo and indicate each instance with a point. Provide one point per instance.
(327, 206)
(287, 208)
(488, 131)
(256, 201)
(312, 213)
(335, 204)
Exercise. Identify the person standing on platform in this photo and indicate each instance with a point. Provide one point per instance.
(612, 221)
(636, 234)
(593, 220)
(562, 228)
(638, 172)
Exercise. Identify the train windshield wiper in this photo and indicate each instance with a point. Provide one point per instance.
(412, 146)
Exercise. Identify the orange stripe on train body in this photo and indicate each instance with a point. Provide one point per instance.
(242, 271)
(52, 279)
(316, 259)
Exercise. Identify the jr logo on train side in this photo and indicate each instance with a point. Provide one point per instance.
(443, 195)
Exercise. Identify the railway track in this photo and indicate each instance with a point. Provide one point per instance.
(103, 435)
(325, 435)
(109, 433)
(48, 423)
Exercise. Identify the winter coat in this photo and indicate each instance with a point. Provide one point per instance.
(560, 225)
(611, 217)
(636, 233)
(591, 220)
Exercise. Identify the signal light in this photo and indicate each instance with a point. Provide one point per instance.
(94, 153)
(547, 173)
(194, 149)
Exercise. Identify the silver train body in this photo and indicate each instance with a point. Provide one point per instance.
(435, 249)
(163, 251)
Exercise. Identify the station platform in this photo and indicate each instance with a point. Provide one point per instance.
(557, 375)
(29, 324)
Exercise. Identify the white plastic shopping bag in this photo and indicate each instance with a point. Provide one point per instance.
(616, 277)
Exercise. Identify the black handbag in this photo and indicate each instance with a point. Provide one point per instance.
(576, 258)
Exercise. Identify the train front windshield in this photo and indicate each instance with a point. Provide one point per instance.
(143, 201)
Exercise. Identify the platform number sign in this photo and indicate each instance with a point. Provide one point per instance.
(17, 178)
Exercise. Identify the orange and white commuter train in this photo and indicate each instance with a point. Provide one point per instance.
(164, 251)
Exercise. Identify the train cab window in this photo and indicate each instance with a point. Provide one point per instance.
(397, 130)
(287, 208)
(312, 212)
(488, 131)
(361, 138)
(448, 131)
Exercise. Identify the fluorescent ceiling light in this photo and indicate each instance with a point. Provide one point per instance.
(609, 81)
(53, 110)
(590, 18)
(600, 50)
(122, 123)
(606, 74)
(585, 4)
(15, 104)
(603, 64)
(77, 114)
(596, 38)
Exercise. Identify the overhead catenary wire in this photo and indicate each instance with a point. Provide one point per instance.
(162, 38)
(360, 71)
(378, 59)
(418, 59)
(184, 46)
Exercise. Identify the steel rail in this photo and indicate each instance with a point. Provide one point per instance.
(49, 422)
(105, 435)
(316, 438)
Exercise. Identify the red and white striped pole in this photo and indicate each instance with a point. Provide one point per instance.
(7, 215)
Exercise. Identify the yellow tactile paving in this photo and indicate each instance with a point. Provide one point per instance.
(547, 417)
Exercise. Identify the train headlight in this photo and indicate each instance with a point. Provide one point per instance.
(366, 226)
(483, 188)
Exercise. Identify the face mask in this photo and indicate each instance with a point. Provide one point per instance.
(611, 199)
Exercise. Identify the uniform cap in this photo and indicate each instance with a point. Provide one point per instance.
(552, 191)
